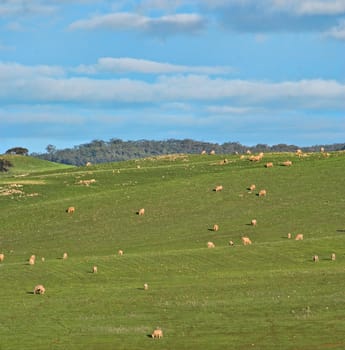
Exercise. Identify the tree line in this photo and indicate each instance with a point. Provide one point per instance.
(98, 151)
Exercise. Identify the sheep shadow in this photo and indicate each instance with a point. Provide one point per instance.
(211, 229)
(340, 230)
(30, 293)
(149, 335)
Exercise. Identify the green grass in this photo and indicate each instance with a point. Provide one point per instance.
(269, 295)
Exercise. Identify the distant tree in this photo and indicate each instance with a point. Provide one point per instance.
(18, 150)
(5, 165)
(51, 149)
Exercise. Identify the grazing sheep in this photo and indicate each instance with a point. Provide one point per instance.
(333, 256)
(255, 158)
(322, 149)
(215, 227)
(262, 193)
(246, 241)
(120, 252)
(88, 164)
(65, 256)
(146, 286)
(315, 258)
(218, 188)
(43, 259)
(94, 269)
(231, 243)
(253, 222)
(203, 152)
(2, 257)
(287, 163)
(299, 237)
(289, 235)
(32, 260)
(141, 212)
(210, 245)
(70, 210)
(213, 152)
(252, 187)
(157, 333)
(39, 289)
(269, 165)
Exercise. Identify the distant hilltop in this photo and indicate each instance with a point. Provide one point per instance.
(98, 151)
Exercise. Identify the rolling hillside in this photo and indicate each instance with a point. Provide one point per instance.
(268, 295)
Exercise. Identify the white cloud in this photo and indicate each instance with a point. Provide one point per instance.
(159, 26)
(45, 84)
(29, 114)
(12, 71)
(25, 8)
(337, 32)
(221, 109)
(260, 16)
(325, 7)
(299, 7)
(134, 65)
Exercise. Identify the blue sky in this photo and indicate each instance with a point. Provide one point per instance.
(248, 71)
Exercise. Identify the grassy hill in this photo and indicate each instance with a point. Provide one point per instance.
(269, 295)
(24, 165)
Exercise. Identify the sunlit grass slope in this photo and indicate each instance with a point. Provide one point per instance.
(269, 295)
(24, 165)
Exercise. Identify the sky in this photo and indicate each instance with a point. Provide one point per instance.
(248, 71)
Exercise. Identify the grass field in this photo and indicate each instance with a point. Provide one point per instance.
(268, 295)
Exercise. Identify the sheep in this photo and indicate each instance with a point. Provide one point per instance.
(246, 241)
(255, 158)
(146, 286)
(141, 212)
(315, 258)
(94, 269)
(2, 257)
(203, 152)
(262, 193)
(32, 260)
(210, 245)
(322, 149)
(252, 187)
(65, 256)
(287, 163)
(299, 237)
(43, 259)
(215, 227)
(120, 252)
(253, 222)
(231, 243)
(218, 188)
(289, 235)
(269, 165)
(157, 333)
(333, 256)
(70, 210)
(39, 289)
(88, 164)
(213, 152)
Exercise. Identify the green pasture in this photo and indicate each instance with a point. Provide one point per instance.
(269, 295)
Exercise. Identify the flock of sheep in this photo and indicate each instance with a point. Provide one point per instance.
(256, 158)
